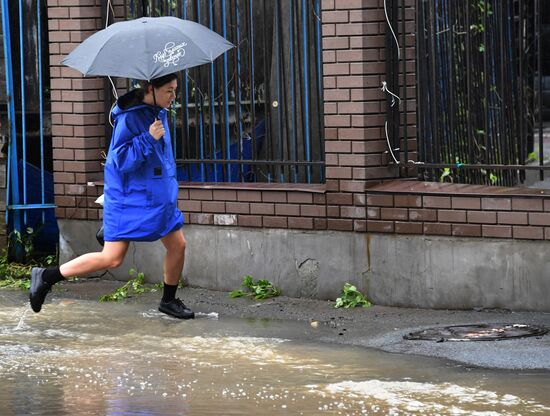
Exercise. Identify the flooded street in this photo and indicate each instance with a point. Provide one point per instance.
(84, 357)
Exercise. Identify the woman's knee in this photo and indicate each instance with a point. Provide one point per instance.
(178, 246)
(114, 262)
(113, 254)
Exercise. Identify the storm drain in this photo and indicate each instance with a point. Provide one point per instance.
(477, 332)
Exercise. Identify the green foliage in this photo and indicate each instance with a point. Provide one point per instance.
(484, 7)
(446, 174)
(25, 240)
(10, 282)
(131, 288)
(16, 275)
(533, 156)
(173, 111)
(262, 289)
(351, 298)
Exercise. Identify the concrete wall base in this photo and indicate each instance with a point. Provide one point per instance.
(396, 270)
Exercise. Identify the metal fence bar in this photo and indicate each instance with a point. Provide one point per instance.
(420, 47)
(520, 49)
(23, 108)
(252, 77)
(319, 33)
(201, 136)
(26, 188)
(264, 113)
(436, 148)
(459, 166)
(282, 108)
(469, 129)
(40, 104)
(225, 90)
(23, 207)
(185, 105)
(404, 93)
(267, 83)
(199, 107)
(538, 25)
(278, 98)
(257, 162)
(238, 92)
(485, 77)
(12, 195)
(294, 152)
(306, 84)
(211, 94)
(479, 88)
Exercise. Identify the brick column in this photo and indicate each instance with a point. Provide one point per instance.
(354, 45)
(77, 110)
(353, 68)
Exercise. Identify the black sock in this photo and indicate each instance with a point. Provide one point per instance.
(52, 276)
(169, 293)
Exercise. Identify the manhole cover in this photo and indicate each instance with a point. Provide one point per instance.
(477, 332)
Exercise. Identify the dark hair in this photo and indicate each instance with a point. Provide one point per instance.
(158, 82)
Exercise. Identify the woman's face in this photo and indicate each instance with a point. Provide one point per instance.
(166, 94)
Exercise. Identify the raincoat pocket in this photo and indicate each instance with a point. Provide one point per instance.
(162, 187)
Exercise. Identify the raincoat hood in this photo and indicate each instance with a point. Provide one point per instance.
(131, 101)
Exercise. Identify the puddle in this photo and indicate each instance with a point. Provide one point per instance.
(82, 357)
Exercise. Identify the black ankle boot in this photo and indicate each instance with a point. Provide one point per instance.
(177, 309)
(39, 288)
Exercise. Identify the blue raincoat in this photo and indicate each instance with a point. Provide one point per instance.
(141, 189)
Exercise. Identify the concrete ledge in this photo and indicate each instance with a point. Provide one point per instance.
(459, 273)
(302, 264)
(393, 270)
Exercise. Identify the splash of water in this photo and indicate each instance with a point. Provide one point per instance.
(21, 324)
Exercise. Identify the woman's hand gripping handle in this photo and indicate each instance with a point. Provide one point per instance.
(156, 130)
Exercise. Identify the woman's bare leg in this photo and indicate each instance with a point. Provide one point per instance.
(111, 257)
(175, 256)
(42, 279)
(173, 266)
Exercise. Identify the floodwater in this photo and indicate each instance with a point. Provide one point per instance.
(82, 357)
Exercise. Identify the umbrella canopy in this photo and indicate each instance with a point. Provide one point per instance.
(147, 48)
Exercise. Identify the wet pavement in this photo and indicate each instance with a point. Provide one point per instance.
(79, 356)
(378, 326)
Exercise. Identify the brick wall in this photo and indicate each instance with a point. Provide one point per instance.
(298, 207)
(354, 106)
(355, 147)
(458, 210)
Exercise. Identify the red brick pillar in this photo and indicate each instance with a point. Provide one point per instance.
(78, 132)
(353, 69)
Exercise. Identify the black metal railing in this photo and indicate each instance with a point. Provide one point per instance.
(255, 114)
(480, 90)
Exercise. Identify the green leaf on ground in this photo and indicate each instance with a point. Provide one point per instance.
(351, 298)
(132, 287)
(262, 289)
(16, 275)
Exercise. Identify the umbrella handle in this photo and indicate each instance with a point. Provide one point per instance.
(154, 102)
